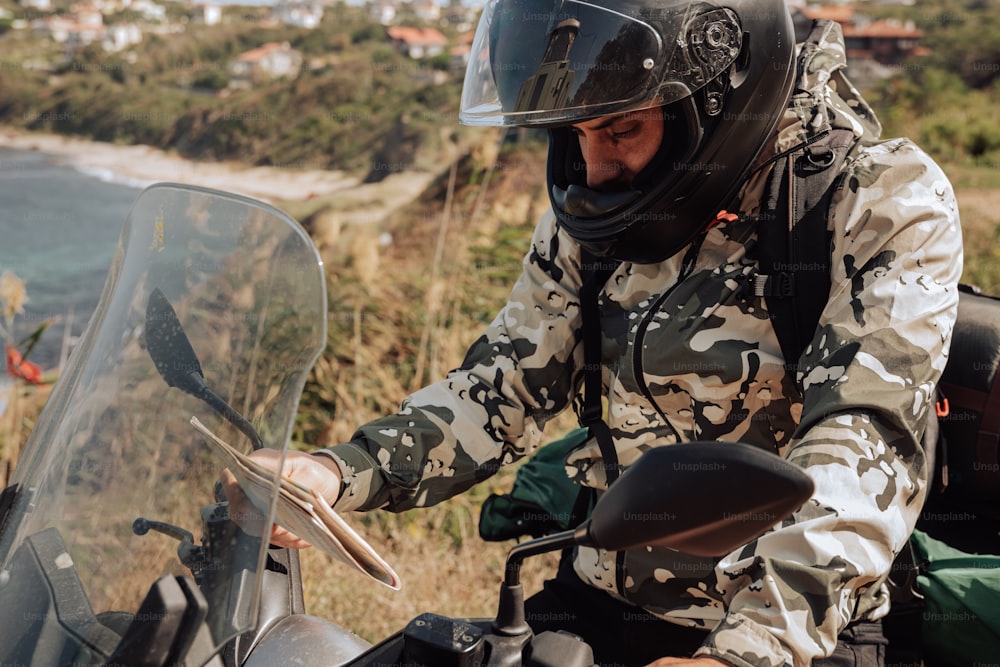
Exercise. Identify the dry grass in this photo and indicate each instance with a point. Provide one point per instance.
(24, 404)
(444, 567)
(398, 320)
(980, 211)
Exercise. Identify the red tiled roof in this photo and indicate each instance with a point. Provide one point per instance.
(254, 55)
(886, 29)
(416, 36)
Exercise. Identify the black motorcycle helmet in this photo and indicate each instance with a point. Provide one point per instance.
(721, 72)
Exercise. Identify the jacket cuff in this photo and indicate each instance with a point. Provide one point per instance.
(742, 642)
(359, 478)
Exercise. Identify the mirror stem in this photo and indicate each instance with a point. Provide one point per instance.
(541, 545)
(510, 620)
(178, 364)
(225, 411)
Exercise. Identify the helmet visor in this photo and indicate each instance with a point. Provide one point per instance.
(551, 62)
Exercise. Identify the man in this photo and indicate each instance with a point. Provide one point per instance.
(666, 120)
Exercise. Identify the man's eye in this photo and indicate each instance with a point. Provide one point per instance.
(623, 134)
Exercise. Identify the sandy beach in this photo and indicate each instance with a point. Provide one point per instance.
(144, 165)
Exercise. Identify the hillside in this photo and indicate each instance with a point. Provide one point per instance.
(355, 104)
(412, 290)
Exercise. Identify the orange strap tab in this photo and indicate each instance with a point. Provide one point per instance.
(722, 217)
(942, 408)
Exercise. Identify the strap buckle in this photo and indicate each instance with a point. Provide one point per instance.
(781, 285)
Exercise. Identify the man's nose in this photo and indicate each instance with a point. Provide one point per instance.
(603, 166)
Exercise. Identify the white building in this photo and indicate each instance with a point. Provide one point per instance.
(121, 36)
(208, 14)
(273, 60)
(149, 10)
(40, 5)
(417, 42)
(383, 11)
(299, 14)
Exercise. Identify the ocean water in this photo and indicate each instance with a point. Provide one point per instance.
(58, 230)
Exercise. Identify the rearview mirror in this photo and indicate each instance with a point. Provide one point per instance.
(702, 498)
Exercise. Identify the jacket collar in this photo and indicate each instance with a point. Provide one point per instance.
(824, 98)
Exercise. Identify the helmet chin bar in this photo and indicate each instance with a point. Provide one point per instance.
(581, 202)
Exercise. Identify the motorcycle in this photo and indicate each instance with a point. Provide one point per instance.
(215, 307)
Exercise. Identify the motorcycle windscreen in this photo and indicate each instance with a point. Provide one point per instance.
(114, 443)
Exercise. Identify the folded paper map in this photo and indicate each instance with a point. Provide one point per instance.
(301, 511)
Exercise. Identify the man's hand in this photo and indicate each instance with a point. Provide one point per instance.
(318, 473)
(689, 662)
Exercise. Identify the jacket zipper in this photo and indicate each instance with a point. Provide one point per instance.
(686, 268)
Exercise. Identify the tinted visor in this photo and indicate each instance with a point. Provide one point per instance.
(548, 63)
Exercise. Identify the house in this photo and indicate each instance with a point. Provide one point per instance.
(87, 15)
(120, 36)
(888, 42)
(83, 25)
(461, 51)
(81, 35)
(299, 14)
(417, 42)
(208, 14)
(40, 5)
(273, 60)
(149, 10)
(426, 10)
(875, 49)
(383, 11)
(459, 16)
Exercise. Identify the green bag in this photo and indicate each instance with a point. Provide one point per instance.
(542, 498)
(961, 614)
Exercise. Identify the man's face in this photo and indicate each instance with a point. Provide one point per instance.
(616, 148)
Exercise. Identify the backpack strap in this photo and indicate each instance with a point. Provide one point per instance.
(590, 410)
(793, 240)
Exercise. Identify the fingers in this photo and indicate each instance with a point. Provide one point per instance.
(241, 511)
(315, 472)
(318, 473)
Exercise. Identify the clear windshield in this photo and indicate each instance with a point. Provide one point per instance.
(114, 443)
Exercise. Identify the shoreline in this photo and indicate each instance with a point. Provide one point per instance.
(140, 166)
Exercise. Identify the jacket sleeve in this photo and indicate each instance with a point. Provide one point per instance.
(489, 412)
(868, 383)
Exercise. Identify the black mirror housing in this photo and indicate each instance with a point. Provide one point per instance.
(661, 500)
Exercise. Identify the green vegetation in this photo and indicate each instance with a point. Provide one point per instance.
(351, 105)
(949, 100)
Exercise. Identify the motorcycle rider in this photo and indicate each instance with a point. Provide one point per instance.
(665, 120)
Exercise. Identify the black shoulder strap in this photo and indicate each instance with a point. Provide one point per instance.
(793, 241)
(590, 410)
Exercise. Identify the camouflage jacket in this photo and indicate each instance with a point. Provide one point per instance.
(689, 355)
